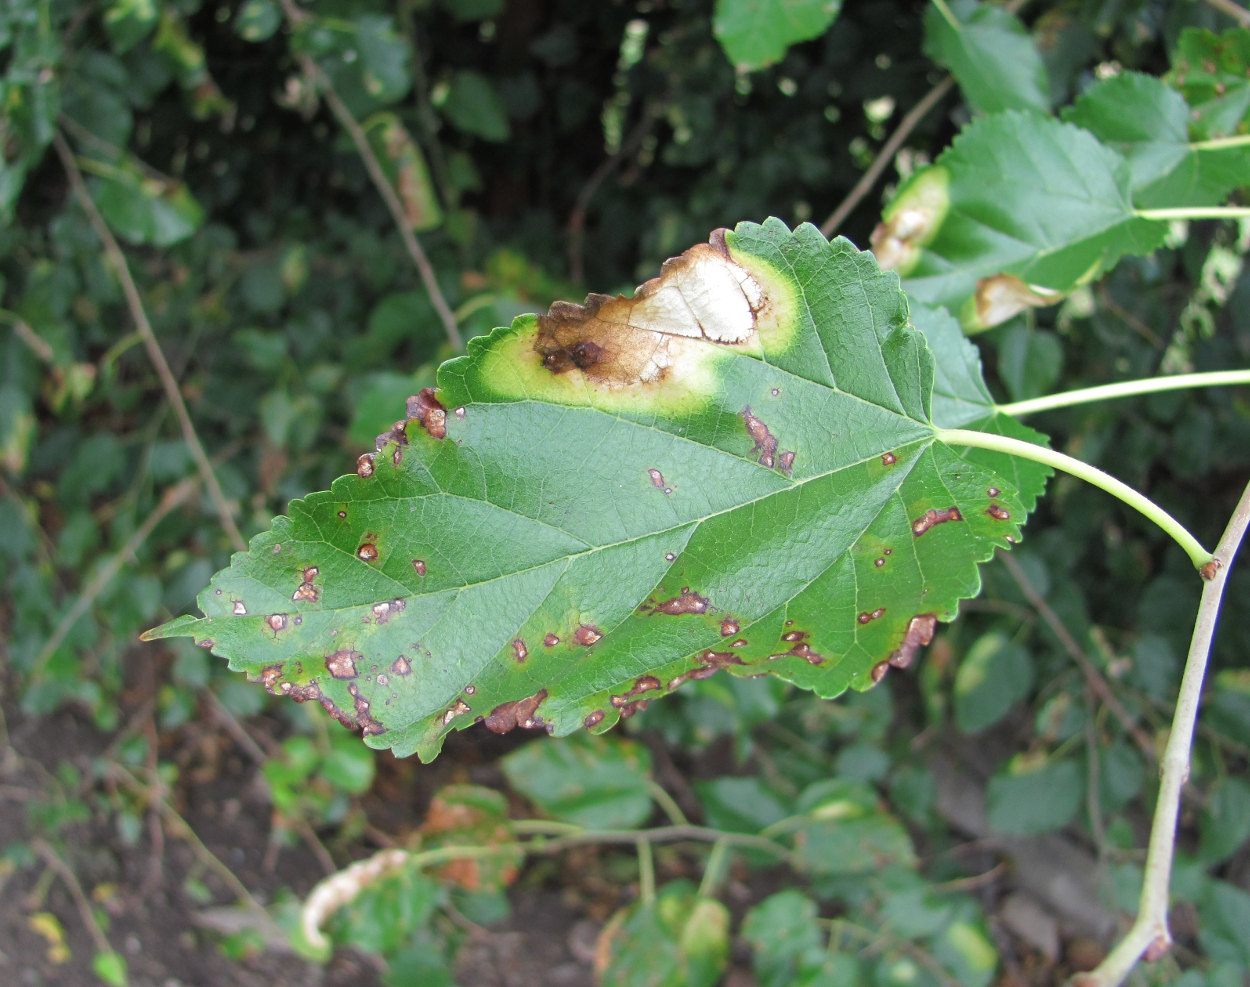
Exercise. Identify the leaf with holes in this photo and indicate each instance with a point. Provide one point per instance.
(734, 471)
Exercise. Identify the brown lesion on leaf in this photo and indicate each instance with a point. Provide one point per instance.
(657, 480)
(401, 665)
(870, 615)
(276, 622)
(307, 591)
(765, 443)
(396, 433)
(701, 297)
(550, 640)
(800, 648)
(342, 664)
(888, 459)
(718, 659)
(593, 718)
(518, 713)
(424, 408)
(687, 602)
(999, 297)
(998, 513)
(934, 516)
(367, 552)
(520, 650)
(459, 708)
(728, 627)
(586, 635)
(384, 611)
(785, 462)
(644, 684)
(364, 466)
(363, 718)
(919, 633)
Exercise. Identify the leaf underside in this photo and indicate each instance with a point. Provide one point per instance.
(733, 471)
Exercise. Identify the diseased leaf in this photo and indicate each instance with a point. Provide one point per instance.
(756, 33)
(991, 55)
(680, 939)
(1147, 121)
(1018, 211)
(733, 470)
(405, 168)
(1210, 70)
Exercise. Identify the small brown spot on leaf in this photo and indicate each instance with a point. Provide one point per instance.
(932, 517)
(276, 622)
(657, 480)
(342, 664)
(879, 670)
(637, 706)
(998, 513)
(459, 709)
(520, 650)
(364, 466)
(518, 713)
(419, 566)
(550, 640)
(878, 562)
(687, 602)
(785, 463)
(793, 635)
(888, 551)
(459, 412)
(367, 552)
(992, 492)
(739, 643)
(765, 443)
(888, 459)
(728, 627)
(384, 611)
(343, 515)
(239, 610)
(801, 648)
(919, 632)
(587, 635)
(401, 665)
(424, 408)
(703, 672)
(868, 616)
(364, 719)
(593, 718)
(470, 689)
(669, 556)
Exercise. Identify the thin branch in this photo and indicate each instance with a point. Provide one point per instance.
(575, 229)
(373, 166)
(70, 879)
(1236, 12)
(886, 154)
(137, 312)
(1150, 936)
(1195, 212)
(107, 573)
(1093, 678)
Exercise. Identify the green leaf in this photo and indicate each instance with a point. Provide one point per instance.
(678, 940)
(384, 58)
(993, 676)
(1210, 70)
(991, 55)
(1225, 823)
(110, 967)
(596, 782)
(787, 943)
(258, 20)
(756, 33)
(1225, 916)
(565, 543)
(1018, 211)
(473, 106)
(1147, 121)
(144, 210)
(1034, 797)
(405, 168)
(845, 832)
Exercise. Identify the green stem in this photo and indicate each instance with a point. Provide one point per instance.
(1219, 143)
(947, 14)
(1125, 389)
(1198, 555)
(1196, 212)
(646, 872)
(714, 868)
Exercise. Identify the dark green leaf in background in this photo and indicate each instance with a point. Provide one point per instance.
(1034, 796)
(994, 675)
(472, 105)
(1210, 70)
(756, 33)
(563, 544)
(991, 55)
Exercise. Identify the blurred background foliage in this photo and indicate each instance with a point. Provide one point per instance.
(540, 149)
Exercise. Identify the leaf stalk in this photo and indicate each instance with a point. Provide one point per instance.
(1198, 555)
(1124, 389)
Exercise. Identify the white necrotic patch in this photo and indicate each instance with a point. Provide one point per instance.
(710, 298)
